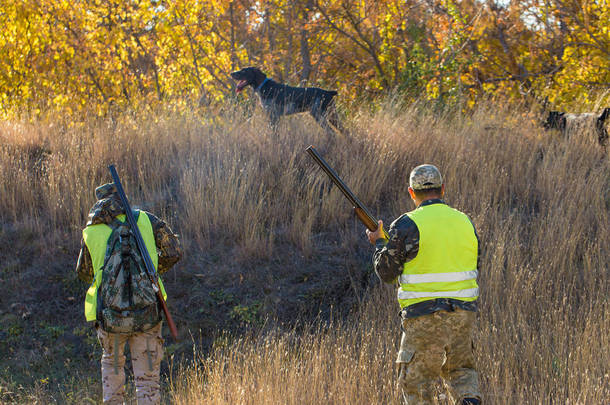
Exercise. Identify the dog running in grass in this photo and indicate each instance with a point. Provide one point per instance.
(279, 99)
(569, 122)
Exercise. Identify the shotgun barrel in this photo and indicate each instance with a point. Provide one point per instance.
(363, 213)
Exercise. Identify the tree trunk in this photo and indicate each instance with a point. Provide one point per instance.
(305, 58)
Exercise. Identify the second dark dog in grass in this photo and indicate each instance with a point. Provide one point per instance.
(279, 99)
(568, 123)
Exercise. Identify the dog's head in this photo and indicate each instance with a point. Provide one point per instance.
(555, 120)
(249, 76)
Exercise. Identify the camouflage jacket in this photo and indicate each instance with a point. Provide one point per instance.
(402, 247)
(168, 244)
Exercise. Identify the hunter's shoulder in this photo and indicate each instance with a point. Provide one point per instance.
(151, 217)
(403, 222)
(160, 227)
(459, 211)
(464, 216)
(90, 226)
(403, 228)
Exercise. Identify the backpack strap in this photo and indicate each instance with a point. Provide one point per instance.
(114, 225)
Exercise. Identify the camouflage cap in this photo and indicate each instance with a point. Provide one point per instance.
(105, 191)
(424, 177)
(107, 206)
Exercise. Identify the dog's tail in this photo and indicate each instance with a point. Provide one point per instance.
(333, 93)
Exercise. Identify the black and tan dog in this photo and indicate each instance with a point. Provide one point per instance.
(568, 123)
(279, 99)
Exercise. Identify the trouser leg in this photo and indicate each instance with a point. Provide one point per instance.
(418, 378)
(146, 354)
(113, 366)
(459, 370)
(420, 359)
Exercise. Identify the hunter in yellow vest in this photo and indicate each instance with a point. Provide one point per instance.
(141, 329)
(432, 255)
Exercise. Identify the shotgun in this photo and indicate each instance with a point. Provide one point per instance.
(363, 214)
(150, 268)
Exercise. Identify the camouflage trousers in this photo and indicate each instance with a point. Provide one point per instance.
(146, 353)
(437, 348)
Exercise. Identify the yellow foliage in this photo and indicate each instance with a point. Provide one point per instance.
(104, 55)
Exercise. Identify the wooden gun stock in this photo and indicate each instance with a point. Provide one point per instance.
(360, 210)
(366, 220)
(150, 268)
(170, 321)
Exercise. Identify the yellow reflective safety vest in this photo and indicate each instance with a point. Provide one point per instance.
(96, 238)
(446, 263)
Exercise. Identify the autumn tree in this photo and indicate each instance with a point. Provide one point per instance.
(109, 54)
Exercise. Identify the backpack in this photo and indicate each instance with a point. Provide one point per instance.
(127, 301)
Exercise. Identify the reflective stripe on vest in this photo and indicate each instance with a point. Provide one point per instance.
(96, 239)
(438, 277)
(446, 262)
(468, 293)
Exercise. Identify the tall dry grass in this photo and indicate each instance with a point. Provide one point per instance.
(540, 204)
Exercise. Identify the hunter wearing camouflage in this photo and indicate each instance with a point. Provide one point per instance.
(432, 254)
(145, 343)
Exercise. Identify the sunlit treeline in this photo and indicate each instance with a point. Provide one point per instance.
(105, 54)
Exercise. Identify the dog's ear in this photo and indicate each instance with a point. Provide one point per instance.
(259, 76)
(547, 123)
(604, 115)
(563, 122)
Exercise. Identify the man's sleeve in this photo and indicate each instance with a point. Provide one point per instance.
(402, 247)
(168, 244)
(84, 265)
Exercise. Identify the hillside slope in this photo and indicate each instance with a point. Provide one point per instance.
(274, 257)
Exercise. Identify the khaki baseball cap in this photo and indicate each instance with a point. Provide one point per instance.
(424, 177)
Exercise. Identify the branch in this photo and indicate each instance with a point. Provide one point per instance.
(366, 46)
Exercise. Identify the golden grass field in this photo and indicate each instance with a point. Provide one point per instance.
(540, 204)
